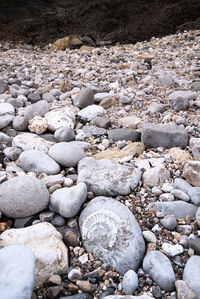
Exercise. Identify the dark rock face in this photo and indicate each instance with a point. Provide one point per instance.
(114, 20)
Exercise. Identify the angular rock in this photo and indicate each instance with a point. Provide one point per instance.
(191, 274)
(156, 135)
(103, 177)
(156, 176)
(45, 242)
(184, 291)
(84, 98)
(58, 118)
(91, 112)
(191, 172)
(110, 230)
(23, 196)
(64, 133)
(37, 125)
(123, 134)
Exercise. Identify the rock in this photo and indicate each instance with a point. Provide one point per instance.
(68, 201)
(166, 197)
(191, 172)
(38, 109)
(123, 134)
(84, 98)
(30, 141)
(5, 120)
(58, 118)
(94, 131)
(17, 275)
(179, 209)
(194, 194)
(156, 176)
(179, 155)
(130, 121)
(65, 85)
(172, 250)
(34, 97)
(184, 291)
(184, 94)
(149, 236)
(64, 133)
(45, 242)
(58, 221)
(52, 180)
(182, 185)
(66, 154)
(66, 43)
(99, 96)
(166, 79)
(169, 222)
(91, 112)
(155, 108)
(110, 230)
(38, 162)
(37, 125)
(128, 297)
(55, 280)
(23, 196)
(180, 194)
(101, 121)
(78, 296)
(191, 274)
(195, 85)
(20, 123)
(48, 97)
(12, 153)
(3, 86)
(124, 99)
(179, 104)
(6, 108)
(103, 177)
(159, 267)
(198, 217)
(195, 244)
(5, 139)
(86, 286)
(194, 142)
(75, 274)
(156, 135)
(196, 152)
(130, 282)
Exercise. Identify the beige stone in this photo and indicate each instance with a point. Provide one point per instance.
(37, 125)
(66, 42)
(194, 142)
(65, 85)
(45, 242)
(130, 121)
(108, 102)
(86, 48)
(156, 176)
(146, 57)
(184, 291)
(179, 155)
(191, 172)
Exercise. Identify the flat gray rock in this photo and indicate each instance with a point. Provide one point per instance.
(38, 109)
(23, 196)
(180, 209)
(38, 162)
(104, 177)
(101, 121)
(194, 194)
(66, 154)
(124, 134)
(17, 272)
(68, 201)
(159, 267)
(84, 98)
(156, 135)
(110, 230)
(91, 112)
(94, 131)
(191, 274)
(5, 120)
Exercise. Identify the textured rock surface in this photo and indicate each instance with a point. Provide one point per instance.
(191, 274)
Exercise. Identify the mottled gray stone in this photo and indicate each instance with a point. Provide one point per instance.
(177, 193)
(5, 138)
(185, 94)
(110, 230)
(3, 86)
(156, 135)
(58, 221)
(104, 177)
(149, 236)
(123, 134)
(198, 217)
(16, 102)
(179, 104)
(23, 196)
(180, 209)
(130, 282)
(195, 244)
(12, 153)
(195, 85)
(48, 97)
(182, 185)
(17, 274)
(94, 131)
(191, 274)
(169, 222)
(155, 108)
(34, 97)
(196, 152)
(6, 108)
(159, 267)
(166, 79)
(101, 121)
(65, 133)
(5, 120)
(78, 296)
(20, 123)
(84, 98)
(194, 194)
(38, 109)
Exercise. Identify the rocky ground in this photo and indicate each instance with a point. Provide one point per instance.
(100, 170)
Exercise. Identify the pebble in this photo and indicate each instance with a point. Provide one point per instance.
(180, 194)
(172, 250)
(123, 134)
(84, 98)
(169, 222)
(149, 236)
(194, 194)
(91, 112)
(64, 134)
(184, 291)
(130, 282)
(191, 274)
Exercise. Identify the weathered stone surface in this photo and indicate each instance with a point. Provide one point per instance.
(3, 86)
(6, 108)
(123, 134)
(64, 133)
(130, 121)
(110, 230)
(45, 242)
(103, 177)
(94, 131)
(156, 176)
(184, 291)
(127, 297)
(101, 121)
(130, 282)
(37, 125)
(191, 274)
(182, 185)
(194, 194)
(58, 118)
(191, 172)
(179, 155)
(84, 98)
(91, 112)
(168, 136)
(5, 120)
(38, 109)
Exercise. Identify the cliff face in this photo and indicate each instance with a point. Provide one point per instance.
(115, 20)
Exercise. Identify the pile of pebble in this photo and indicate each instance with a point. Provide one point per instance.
(100, 170)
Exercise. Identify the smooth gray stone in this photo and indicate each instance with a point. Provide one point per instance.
(90, 112)
(6, 108)
(128, 297)
(195, 86)
(185, 94)
(156, 135)
(196, 152)
(5, 138)
(17, 272)
(67, 202)
(34, 97)
(94, 131)
(124, 99)
(169, 222)
(159, 267)
(110, 230)
(48, 97)
(65, 133)
(84, 98)
(155, 108)
(123, 134)
(38, 162)
(83, 144)
(101, 121)
(191, 274)
(23, 196)
(195, 244)
(66, 154)
(166, 79)
(179, 104)
(24, 222)
(130, 282)
(38, 109)
(15, 102)
(182, 185)
(104, 177)
(198, 217)
(5, 120)
(58, 221)
(177, 193)
(55, 92)
(194, 194)
(12, 153)
(20, 123)
(180, 209)
(3, 86)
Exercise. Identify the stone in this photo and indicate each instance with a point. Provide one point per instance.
(194, 194)
(103, 177)
(20, 123)
(130, 282)
(194, 142)
(38, 162)
(23, 196)
(48, 97)
(101, 121)
(58, 118)
(65, 85)
(180, 194)
(184, 94)
(111, 232)
(52, 180)
(149, 236)
(195, 244)
(45, 242)
(159, 267)
(58, 221)
(86, 286)
(166, 197)
(6, 108)
(198, 217)
(38, 109)
(191, 274)
(37, 125)
(166, 79)
(93, 131)
(191, 172)
(156, 176)
(156, 135)
(179, 209)
(179, 155)
(184, 291)
(75, 274)
(5, 120)
(196, 152)
(99, 96)
(28, 141)
(172, 250)
(169, 222)
(64, 134)
(84, 98)
(67, 202)
(195, 85)
(46, 216)
(17, 274)
(123, 134)
(182, 185)
(78, 296)
(130, 121)
(155, 108)
(91, 112)
(179, 104)
(108, 102)
(127, 297)
(66, 154)
(34, 97)
(66, 43)
(55, 280)
(3, 86)
(12, 153)
(124, 99)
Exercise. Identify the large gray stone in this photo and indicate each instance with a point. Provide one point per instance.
(68, 201)
(38, 109)
(91, 112)
(94, 131)
(23, 196)
(66, 154)
(5, 120)
(159, 267)
(65, 134)
(168, 136)
(38, 162)
(6, 108)
(194, 194)
(182, 185)
(185, 94)
(123, 134)
(104, 177)
(111, 232)
(180, 209)
(3, 86)
(17, 272)
(84, 98)
(101, 121)
(191, 274)
(20, 123)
